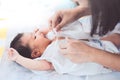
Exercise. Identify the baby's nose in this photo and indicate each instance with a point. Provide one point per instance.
(36, 30)
(39, 32)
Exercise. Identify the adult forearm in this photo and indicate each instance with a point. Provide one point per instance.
(107, 59)
(81, 11)
(110, 60)
(115, 38)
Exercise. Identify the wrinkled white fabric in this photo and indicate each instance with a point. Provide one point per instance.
(64, 66)
(74, 30)
(117, 29)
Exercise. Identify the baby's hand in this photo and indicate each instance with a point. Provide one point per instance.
(12, 54)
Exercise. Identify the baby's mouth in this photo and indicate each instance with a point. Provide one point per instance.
(44, 36)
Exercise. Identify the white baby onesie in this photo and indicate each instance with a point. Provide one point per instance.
(63, 65)
(74, 30)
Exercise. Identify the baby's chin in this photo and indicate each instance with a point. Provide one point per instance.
(47, 39)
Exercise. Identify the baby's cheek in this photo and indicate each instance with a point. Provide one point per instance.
(31, 45)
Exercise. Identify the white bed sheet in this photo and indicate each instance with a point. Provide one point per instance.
(13, 71)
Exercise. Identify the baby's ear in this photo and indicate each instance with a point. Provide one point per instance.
(35, 53)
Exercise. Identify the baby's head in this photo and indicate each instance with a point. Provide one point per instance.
(30, 45)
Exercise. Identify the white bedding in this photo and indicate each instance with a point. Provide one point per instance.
(12, 71)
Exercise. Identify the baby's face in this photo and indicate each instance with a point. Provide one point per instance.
(35, 40)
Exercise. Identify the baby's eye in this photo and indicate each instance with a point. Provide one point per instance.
(35, 37)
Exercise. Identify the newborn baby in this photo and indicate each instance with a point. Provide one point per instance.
(42, 51)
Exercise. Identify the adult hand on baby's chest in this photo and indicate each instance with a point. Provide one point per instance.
(76, 51)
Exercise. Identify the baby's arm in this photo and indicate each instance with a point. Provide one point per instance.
(29, 63)
(33, 64)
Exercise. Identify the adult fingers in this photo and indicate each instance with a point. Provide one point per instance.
(61, 24)
(36, 29)
(63, 44)
(74, 41)
(55, 20)
(63, 51)
(50, 22)
(66, 53)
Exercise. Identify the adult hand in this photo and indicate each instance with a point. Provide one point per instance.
(63, 17)
(12, 54)
(77, 51)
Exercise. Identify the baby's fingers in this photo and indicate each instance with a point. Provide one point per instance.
(10, 52)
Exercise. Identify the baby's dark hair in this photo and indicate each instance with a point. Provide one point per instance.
(16, 43)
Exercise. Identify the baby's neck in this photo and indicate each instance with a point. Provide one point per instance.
(46, 45)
